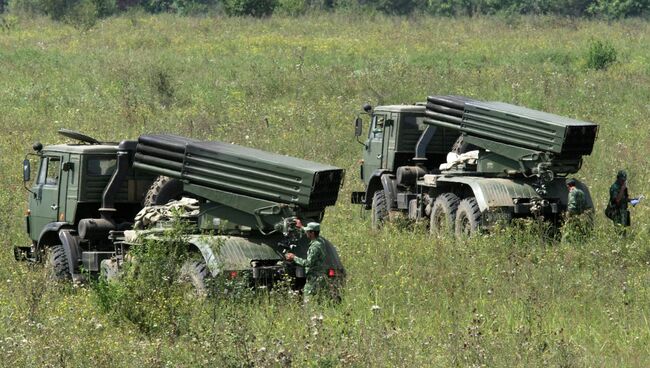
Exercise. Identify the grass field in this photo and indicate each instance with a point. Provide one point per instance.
(507, 299)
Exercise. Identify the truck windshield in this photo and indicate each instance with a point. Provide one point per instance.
(98, 166)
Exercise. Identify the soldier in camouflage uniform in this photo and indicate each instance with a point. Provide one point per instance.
(314, 264)
(618, 200)
(578, 218)
(576, 204)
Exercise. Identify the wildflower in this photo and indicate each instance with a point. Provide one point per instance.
(375, 308)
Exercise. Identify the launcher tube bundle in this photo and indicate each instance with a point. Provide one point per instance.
(240, 170)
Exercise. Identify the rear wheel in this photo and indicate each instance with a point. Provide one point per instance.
(56, 263)
(194, 273)
(443, 214)
(468, 218)
(379, 209)
(163, 190)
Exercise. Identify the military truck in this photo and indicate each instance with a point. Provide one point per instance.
(85, 196)
(465, 165)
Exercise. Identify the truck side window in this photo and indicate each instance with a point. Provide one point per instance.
(49, 171)
(100, 166)
(377, 128)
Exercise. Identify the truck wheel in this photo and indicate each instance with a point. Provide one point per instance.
(56, 263)
(195, 274)
(163, 190)
(468, 218)
(379, 209)
(443, 214)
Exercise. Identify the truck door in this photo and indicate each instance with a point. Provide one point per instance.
(373, 156)
(44, 206)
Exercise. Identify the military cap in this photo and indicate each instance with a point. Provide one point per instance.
(571, 182)
(312, 226)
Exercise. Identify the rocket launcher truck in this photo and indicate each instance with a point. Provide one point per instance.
(465, 165)
(86, 195)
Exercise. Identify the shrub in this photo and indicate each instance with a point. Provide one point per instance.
(147, 293)
(601, 55)
(255, 8)
(26, 7)
(617, 9)
(292, 7)
(83, 15)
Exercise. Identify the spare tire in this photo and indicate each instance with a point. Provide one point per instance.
(163, 190)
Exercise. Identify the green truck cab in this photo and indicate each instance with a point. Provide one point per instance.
(68, 187)
(85, 196)
(464, 165)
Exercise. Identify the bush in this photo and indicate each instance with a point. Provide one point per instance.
(292, 7)
(147, 293)
(617, 9)
(601, 55)
(27, 7)
(255, 8)
(83, 15)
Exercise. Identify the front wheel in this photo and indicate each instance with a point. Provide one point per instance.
(56, 263)
(468, 218)
(379, 209)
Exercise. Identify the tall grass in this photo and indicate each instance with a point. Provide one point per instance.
(293, 86)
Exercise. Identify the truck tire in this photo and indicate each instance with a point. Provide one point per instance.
(163, 190)
(379, 209)
(443, 214)
(56, 263)
(195, 274)
(468, 218)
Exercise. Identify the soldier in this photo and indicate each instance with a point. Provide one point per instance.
(576, 204)
(314, 264)
(618, 199)
(577, 224)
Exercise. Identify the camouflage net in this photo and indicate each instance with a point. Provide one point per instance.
(150, 216)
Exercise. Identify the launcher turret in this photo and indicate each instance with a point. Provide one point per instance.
(242, 185)
(512, 139)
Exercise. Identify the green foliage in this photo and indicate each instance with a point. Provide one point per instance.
(511, 298)
(618, 8)
(26, 7)
(601, 55)
(292, 7)
(255, 8)
(149, 294)
(8, 23)
(83, 15)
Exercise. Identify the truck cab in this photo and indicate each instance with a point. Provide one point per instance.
(68, 186)
(393, 135)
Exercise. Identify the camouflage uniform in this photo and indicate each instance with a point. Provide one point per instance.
(578, 219)
(577, 203)
(621, 213)
(314, 266)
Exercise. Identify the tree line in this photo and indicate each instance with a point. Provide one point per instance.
(84, 11)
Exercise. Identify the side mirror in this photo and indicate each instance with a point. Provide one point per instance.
(27, 172)
(358, 127)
